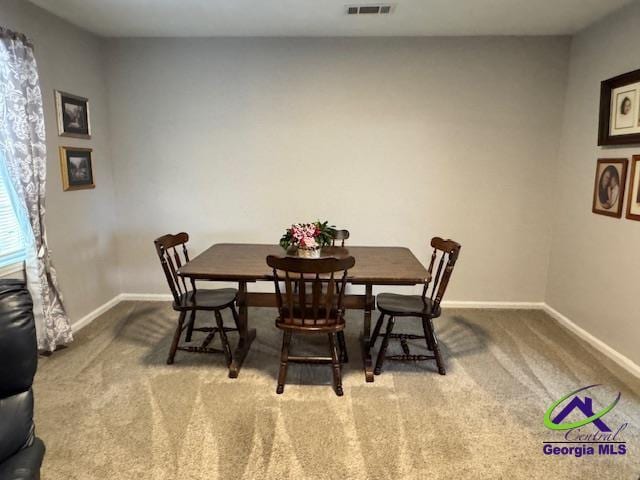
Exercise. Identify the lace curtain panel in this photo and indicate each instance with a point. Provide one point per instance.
(22, 143)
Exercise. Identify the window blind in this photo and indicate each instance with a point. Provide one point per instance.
(11, 241)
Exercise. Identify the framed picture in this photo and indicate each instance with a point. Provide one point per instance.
(73, 115)
(608, 191)
(633, 202)
(76, 167)
(619, 122)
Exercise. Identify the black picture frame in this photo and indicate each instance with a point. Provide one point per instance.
(79, 125)
(604, 124)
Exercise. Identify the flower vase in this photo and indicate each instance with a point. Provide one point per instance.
(309, 252)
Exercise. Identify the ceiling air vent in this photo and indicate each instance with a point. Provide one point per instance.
(376, 9)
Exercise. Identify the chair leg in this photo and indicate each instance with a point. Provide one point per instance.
(335, 363)
(344, 357)
(284, 360)
(176, 338)
(223, 338)
(236, 320)
(427, 335)
(190, 325)
(436, 349)
(385, 343)
(376, 331)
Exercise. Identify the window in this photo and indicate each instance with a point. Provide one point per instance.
(12, 249)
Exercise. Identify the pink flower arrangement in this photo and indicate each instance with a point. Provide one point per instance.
(308, 235)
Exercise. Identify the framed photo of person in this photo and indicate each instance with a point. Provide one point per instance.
(608, 191)
(73, 115)
(77, 168)
(619, 122)
(633, 202)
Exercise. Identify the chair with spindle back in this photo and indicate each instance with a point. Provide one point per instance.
(422, 306)
(311, 303)
(340, 236)
(188, 299)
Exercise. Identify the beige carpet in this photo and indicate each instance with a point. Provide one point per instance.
(108, 407)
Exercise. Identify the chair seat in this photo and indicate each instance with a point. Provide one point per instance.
(205, 299)
(406, 305)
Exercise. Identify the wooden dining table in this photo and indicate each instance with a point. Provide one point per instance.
(246, 263)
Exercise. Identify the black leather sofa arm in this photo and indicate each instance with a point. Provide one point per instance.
(20, 452)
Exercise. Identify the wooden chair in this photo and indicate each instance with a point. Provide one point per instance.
(340, 236)
(422, 306)
(306, 307)
(190, 300)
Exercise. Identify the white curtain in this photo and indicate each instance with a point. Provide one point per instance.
(22, 141)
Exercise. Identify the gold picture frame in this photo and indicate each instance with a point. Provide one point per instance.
(76, 167)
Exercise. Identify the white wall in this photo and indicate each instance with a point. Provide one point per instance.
(595, 260)
(397, 140)
(80, 224)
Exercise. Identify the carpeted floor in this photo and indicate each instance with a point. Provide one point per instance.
(108, 407)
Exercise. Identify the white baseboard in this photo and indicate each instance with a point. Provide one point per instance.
(91, 316)
(141, 297)
(495, 305)
(625, 362)
(147, 297)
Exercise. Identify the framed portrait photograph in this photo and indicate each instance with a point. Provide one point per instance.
(633, 201)
(73, 115)
(608, 191)
(625, 103)
(77, 168)
(619, 121)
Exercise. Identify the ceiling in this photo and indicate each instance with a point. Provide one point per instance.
(207, 18)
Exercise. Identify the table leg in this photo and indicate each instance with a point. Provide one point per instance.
(366, 334)
(246, 335)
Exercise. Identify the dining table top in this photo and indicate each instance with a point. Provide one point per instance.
(247, 262)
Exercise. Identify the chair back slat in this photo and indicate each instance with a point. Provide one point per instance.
(174, 275)
(177, 265)
(311, 298)
(431, 263)
(340, 290)
(436, 279)
(340, 236)
(171, 262)
(331, 289)
(302, 293)
(448, 251)
(316, 292)
(289, 289)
